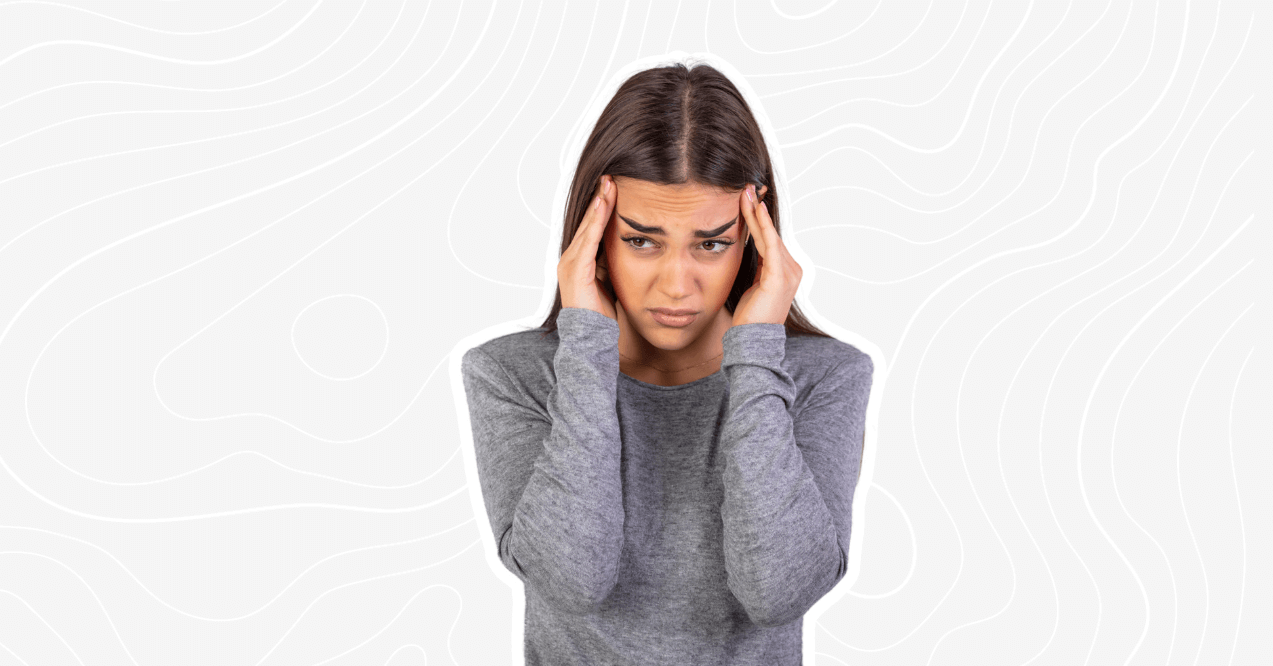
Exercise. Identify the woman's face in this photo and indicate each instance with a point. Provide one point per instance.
(655, 259)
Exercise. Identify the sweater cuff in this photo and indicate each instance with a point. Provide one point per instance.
(757, 343)
(585, 328)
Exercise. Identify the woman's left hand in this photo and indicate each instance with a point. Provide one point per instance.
(769, 298)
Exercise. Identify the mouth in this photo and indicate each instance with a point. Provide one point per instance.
(674, 320)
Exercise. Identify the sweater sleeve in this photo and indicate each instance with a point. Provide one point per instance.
(551, 484)
(788, 483)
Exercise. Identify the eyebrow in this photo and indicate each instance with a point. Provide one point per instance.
(659, 231)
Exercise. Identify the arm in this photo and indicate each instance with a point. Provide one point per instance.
(551, 484)
(788, 484)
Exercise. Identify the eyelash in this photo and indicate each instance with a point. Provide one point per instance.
(723, 243)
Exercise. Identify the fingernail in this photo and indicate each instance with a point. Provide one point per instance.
(750, 197)
(606, 186)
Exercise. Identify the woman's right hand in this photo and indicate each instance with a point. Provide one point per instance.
(580, 279)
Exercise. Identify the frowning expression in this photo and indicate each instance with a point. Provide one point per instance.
(675, 247)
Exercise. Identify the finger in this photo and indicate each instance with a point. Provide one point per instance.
(583, 234)
(780, 252)
(777, 250)
(589, 233)
(753, 224)
(766, 225)
(601, 210)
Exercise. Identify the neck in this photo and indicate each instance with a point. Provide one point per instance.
(699, 358)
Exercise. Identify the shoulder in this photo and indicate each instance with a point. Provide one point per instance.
(524, 358)
(815, 359)
(826, 353)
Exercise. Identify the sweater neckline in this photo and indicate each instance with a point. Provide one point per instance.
(700, 380)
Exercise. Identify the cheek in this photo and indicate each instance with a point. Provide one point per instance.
(618, 267)
(614, 255)
(724, 280)
(626, 272)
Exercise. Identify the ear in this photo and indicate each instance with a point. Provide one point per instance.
(760, 194)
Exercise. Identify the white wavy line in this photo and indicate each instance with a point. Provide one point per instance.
(1122, 181)
(645, 24)
(96, 598)
(266, 284)
(4, 334)
(15, 654)
(249, 86)
(828, 655)
(152, 56)
(46, 623)
(419, 27)
(1043, 334)
(530, 142)
(297, 621)
(384, 348)
(797, 17)
(1206, 583)
(874, 77)
(614, 47)
(562, 159)
(1087, 298)
(529, 145)
(913, 420)
(279, 595)
(818, 138)
(419, 648)
(914, 553)
(743, 41)
(882, 54)
(981, 150)
(1054, 262)
(951, 257)
(1110, 358)
(914, 548)
(364, 580)
(1091, 396)
(1029, 352)
(672, 29)
(1171, 571)
(389, 623)
(1057, 318)
(250, 107)
(950, 81)
(1237, 493)
(146, 27)
(496, 142)
(959, 400)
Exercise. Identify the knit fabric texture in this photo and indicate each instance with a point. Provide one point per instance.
(689, 524)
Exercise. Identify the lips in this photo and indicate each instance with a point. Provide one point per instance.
(675, 321)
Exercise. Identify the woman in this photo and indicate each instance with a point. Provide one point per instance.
(670, 489)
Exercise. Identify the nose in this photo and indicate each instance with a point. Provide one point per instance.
(678, 275)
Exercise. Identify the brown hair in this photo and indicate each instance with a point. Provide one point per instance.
(671, 126)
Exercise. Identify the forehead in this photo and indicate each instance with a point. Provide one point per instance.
(678, 208)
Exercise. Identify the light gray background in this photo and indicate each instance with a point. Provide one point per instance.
(243, 243)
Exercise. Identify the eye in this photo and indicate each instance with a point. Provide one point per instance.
(724, 246)
(719, 246)
(639, 239)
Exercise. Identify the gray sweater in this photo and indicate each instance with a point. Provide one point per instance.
(690, 524)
